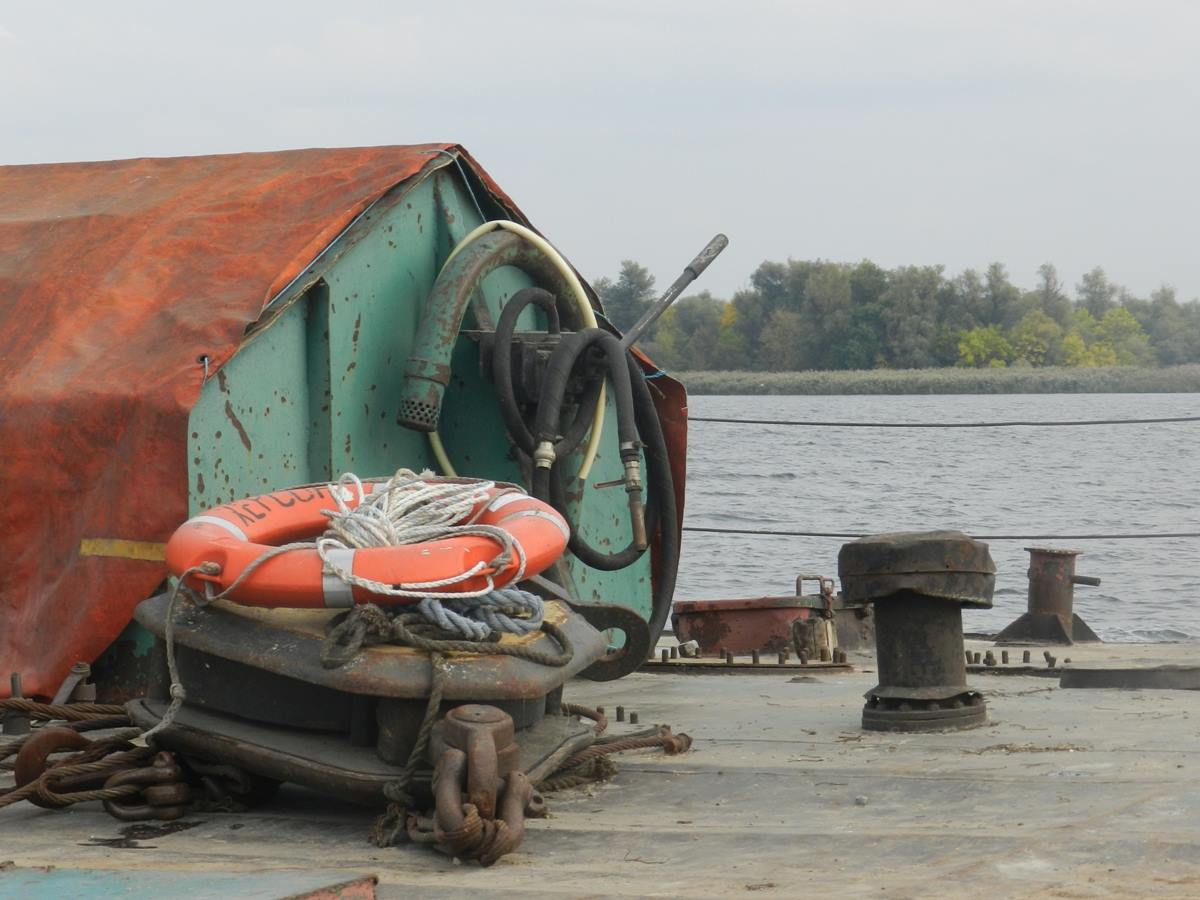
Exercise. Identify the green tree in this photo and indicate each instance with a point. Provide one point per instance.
(910, 316)
(864, 343)
(984, 347)
(1004, 307)
(1095, 293)
(826, 308)
(626, 299)
(1051, 298)
(1037, 339)
(783, 342)
(686, 335)
(1119, 330)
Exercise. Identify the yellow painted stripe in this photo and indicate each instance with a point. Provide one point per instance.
(115, 547)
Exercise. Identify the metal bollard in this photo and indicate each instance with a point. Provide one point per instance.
(1051, 618)
(918, 583)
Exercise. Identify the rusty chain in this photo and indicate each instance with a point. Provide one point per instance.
(110, 770)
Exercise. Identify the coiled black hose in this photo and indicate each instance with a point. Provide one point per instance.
(638, 425)
(510, 409)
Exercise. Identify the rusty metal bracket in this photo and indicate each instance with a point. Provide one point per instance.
(164, 795)
(620, 662)
(31, 762)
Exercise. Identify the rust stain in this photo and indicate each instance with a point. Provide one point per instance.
(237, 424)
(199, 483)
(357, 326)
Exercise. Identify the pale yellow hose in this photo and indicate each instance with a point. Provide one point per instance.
(585, 313)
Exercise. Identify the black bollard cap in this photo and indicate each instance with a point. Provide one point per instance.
(944, 565)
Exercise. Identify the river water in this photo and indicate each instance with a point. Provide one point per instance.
(1099, 479)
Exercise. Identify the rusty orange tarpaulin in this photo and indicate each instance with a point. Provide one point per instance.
(115, 279)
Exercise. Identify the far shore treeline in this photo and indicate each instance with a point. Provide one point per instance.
(815, 317)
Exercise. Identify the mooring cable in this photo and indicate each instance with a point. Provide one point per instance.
(984, 537)
(1016, 423)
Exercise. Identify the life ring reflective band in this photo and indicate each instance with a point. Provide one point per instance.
(234, 535)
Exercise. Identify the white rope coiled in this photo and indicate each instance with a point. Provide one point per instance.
(410, 510)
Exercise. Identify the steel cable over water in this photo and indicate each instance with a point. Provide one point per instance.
(765, 532)
(1013, 423)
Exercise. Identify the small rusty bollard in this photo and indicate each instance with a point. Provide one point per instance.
(729, 657)
(666, 656)
(782, 658)
(477, 765)
(1025, 657)
(989, 659)
(633, 718)
(1051, 618)
(15, 723)
(674, 651)
(487, 738)
(620, 714)
(754, 657)
(919, 583)
(1004, 657)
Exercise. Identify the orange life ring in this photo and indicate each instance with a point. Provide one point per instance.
(236, 534)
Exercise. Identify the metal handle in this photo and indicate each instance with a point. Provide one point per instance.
(690, 273)
(1085, 579)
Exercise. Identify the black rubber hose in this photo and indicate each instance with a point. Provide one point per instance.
(662, 498)
(634, 401)
(510, 409)
(558, 375)
(547, 483)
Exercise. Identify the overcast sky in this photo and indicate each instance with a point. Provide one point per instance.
(955, 133)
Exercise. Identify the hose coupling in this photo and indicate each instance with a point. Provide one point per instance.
(543, 455)
(633, 476)
(637, 519)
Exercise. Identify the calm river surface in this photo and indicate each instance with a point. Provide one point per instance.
(1100, 479)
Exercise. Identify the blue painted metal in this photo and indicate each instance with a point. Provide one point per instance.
(54, 883)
